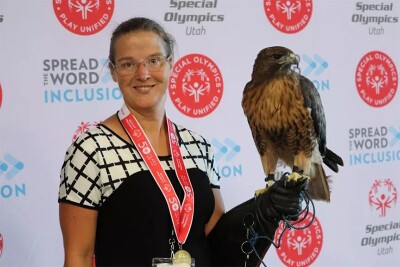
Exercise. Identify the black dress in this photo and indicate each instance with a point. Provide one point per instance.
(101, 171)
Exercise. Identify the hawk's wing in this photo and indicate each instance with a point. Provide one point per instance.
(313, 101)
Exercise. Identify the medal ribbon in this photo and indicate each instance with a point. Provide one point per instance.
(181, 215)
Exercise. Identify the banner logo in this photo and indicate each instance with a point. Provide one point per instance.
(82, 128)
(376, 16)
(9, 168)
(382, 196)
(376, 79)
(68, 80)
(383, 236)
(224, 153)
(288, 16)
(300, 247)
(316, 66)
(1, 244)
(196, 85)
(194, 15)
(84, 17)
(1, 95)
(374, 145)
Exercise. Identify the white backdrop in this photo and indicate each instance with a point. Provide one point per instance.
(53, 84)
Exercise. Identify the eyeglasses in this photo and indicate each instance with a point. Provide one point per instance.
(128, 67)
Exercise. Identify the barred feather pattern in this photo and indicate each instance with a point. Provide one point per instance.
(282, 128)
(286, 119)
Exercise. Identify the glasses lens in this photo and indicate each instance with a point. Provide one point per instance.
(154, 63)
(129, 67)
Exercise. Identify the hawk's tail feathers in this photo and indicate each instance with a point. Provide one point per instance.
(332, 160)
(319, 187)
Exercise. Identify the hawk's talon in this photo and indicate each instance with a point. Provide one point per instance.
(295, 176)
(264, 190)
(260, 191)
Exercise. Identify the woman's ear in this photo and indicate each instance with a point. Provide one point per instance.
(113, 72)
(114, 76)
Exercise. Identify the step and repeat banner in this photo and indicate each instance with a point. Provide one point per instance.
(55, 84)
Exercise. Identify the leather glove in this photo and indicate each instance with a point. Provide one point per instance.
(282, 199)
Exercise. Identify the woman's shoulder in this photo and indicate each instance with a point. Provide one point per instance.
(94, 132)
(189, 135)
(104, 130)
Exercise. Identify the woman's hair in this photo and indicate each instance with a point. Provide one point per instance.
(141, 24)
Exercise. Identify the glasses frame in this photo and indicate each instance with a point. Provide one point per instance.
(145, 62)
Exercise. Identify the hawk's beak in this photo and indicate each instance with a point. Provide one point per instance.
(294, 59)
(290, 59)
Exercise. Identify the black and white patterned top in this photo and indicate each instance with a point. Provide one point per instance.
(101, 171)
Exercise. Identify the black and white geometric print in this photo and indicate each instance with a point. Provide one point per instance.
(97, 163)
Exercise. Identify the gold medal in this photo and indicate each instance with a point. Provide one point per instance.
(182, 257)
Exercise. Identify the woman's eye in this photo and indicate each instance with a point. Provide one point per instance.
(154, 61)
(127, 64)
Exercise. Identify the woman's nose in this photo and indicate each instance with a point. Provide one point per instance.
(142, 72)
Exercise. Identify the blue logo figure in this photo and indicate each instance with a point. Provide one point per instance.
(230, 149)
(318, 65)
(396, 136)
(10, 166)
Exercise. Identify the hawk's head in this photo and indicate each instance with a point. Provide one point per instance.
(273, 61)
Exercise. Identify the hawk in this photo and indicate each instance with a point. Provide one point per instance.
(287, 120)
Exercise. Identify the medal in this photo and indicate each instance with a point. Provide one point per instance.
(182, 257)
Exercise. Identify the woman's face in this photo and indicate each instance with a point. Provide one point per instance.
(143, 90)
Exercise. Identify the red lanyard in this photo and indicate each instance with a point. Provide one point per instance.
(181, 215)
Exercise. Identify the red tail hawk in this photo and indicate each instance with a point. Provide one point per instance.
(287, 119)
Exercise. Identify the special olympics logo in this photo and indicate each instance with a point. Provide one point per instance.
(137, 133)
(1, 95)
(188, 208)
(288, 16)
(174, 203)
(188, 191)
(196, 85)
(167, 188)
(146, 150)
(82, 128)
(300, 247)
(174, 140)
(1, 245)
(176, 154)
(376, 79)
(84, 17)
(382, 196)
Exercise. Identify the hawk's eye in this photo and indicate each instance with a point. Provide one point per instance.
(277, 56)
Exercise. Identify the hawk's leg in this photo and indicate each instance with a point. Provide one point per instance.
(297, 174)
(270, 179)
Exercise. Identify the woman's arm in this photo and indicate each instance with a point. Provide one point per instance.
(78, 226)
(219, 210)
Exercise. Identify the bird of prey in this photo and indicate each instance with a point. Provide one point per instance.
(287, 120)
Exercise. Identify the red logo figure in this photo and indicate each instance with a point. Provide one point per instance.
(1, 245)
(376, 79)
(1, 95)
(84, 17)
(83, 127)
(288, 16)
(382, 196)
(300, 247)
(196, 85)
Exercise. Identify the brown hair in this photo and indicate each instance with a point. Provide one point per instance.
(141, 24)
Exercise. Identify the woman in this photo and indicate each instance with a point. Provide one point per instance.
(115, 193)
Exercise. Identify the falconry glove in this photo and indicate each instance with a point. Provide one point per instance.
(229, 238)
